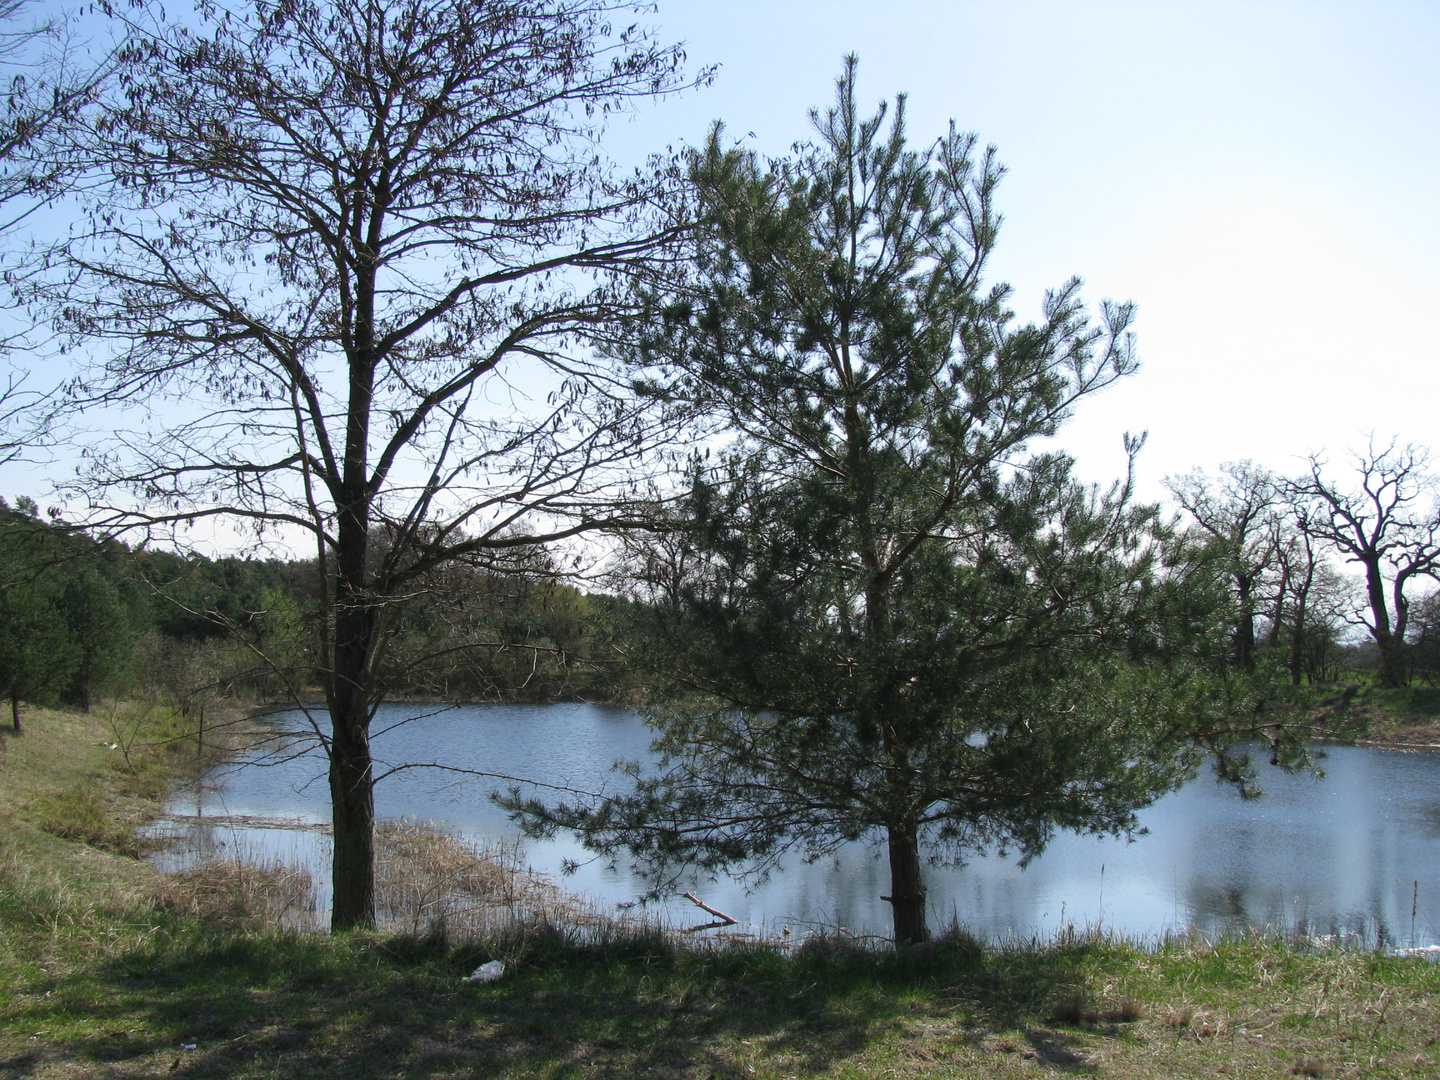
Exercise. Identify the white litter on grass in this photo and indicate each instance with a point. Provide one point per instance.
(487, 972)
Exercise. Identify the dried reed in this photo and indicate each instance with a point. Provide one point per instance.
(431, 883)
(243, 894)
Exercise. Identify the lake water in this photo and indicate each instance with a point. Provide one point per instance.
(1348, 853)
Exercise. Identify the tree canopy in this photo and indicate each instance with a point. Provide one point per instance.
(71, 607)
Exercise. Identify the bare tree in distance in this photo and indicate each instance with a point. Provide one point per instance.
(326, 244)
(1240, 512)
(1388, 522)
(1425, 637)
(1312, 606)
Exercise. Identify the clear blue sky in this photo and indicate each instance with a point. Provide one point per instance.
(1262, 179)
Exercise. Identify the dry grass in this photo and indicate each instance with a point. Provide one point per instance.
(86, 813)
(62, 779)
(430, 883)
(1261, 1008)
(1078, 1008)
(242, 895)
(1405, 717)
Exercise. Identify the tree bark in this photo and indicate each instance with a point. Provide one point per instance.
(1391, 645)
(352, 800)
(907, 887)
(1297, 645)
(1245, 623)
(1301, 592)
(1392, 662)
(351, 781)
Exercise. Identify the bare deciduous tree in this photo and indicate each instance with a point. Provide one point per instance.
(1389, 524)
(1240, 514)
(46, 84)
(1312, 603)
(329, 247)
(46, 80)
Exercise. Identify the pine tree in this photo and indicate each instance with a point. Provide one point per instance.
(885, 613)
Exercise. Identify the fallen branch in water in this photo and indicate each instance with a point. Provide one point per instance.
(725, 920)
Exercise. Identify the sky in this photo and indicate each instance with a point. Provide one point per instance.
(1261, 178)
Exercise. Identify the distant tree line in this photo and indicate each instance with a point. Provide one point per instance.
(70, 611)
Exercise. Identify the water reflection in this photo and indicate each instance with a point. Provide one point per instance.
(1339, 854)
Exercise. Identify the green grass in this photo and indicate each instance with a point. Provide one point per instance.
(106, 972)
(124, 995)
(1402, 715)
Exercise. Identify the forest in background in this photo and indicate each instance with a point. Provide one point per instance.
(84, 617)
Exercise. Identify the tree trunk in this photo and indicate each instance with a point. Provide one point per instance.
(1302, 612)
(1392, 660)
(15, 710)
(352, 799)
(351, 781)
(1245, 624)
(352, 793)
(1297, 646)
(907, 887)
(1393, 671)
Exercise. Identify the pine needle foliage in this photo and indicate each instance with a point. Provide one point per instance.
(887, 612)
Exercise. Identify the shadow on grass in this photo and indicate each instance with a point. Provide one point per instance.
(365, 1006)
(1423, 700)
(1412, 701)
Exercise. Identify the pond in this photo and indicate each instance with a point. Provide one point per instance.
(1356, 852)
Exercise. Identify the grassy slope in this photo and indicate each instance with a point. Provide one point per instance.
(99, 978)
(1407, 716)
(62, 774)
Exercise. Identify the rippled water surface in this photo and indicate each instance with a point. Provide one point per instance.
(1355, 851)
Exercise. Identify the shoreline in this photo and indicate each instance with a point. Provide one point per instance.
(1391, 744)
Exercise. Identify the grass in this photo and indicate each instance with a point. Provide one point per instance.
(171, 995)
(110, 970)
(1407, 715)
(430, 884)
(72, 796)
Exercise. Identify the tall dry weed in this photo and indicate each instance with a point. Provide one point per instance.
(429, 882)
(242, 894)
